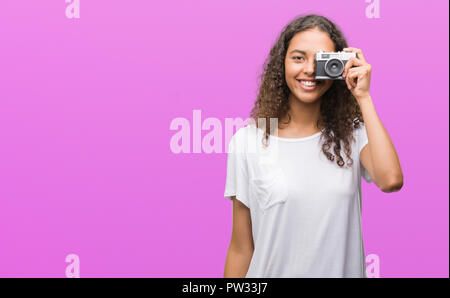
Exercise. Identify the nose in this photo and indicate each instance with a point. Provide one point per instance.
(309, 68)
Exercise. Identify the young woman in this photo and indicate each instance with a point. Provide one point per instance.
(297, 198)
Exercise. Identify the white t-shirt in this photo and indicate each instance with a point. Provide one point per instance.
(305, 209)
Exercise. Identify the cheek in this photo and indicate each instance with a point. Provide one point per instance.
(291, 69)
(288, 71)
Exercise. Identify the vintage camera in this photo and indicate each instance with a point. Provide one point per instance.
(330, 65)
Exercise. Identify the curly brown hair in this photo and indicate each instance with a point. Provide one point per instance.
(339, 111)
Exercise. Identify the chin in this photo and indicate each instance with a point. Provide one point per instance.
(308, 97)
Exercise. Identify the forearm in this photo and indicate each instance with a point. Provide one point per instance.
(383, 154)
(237, 263)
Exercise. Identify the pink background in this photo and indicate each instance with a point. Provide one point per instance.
(85, 109)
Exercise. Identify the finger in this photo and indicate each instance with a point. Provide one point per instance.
(352, 62)
(347, 82)
(353, 76)
(358, 52)
(348, 79)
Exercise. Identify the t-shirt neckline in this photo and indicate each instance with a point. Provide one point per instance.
(298, 139)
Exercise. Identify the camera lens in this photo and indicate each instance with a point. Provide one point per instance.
(334, 67)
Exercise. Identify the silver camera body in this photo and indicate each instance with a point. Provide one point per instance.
(330, 65)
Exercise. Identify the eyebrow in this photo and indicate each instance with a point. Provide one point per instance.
(298, 51)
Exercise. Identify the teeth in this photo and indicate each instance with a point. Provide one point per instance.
(308, 83)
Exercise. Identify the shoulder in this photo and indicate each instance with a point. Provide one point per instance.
(360, 135)
(244, 139)
(245, 133)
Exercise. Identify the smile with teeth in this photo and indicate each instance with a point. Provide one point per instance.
(309, 83)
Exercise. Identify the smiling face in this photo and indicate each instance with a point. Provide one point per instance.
(300, 61)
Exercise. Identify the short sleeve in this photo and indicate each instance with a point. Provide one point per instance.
(237, 179)
(363, 140)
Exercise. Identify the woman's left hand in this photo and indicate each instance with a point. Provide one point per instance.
(357, 74)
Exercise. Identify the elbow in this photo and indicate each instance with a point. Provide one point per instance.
(394, 184)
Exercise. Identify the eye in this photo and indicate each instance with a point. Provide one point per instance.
(295, 58)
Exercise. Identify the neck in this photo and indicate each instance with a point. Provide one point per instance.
(304, 116)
